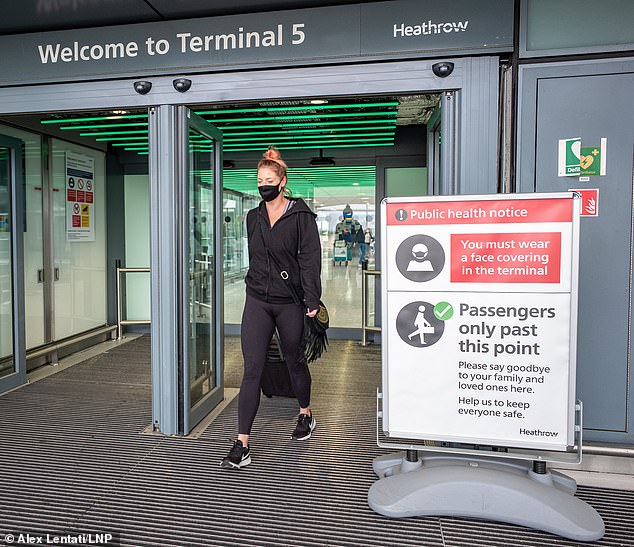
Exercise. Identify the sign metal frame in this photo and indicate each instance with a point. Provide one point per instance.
(574, 408)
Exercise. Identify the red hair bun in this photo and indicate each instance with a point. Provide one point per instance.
(272, 154)
(272, 158)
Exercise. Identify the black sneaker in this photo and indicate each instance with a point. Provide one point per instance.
(305, 426)
(238, 457)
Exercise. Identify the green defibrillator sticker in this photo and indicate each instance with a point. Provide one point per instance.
(590, 160)
(569, 164)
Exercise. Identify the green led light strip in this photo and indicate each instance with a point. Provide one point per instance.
(326, 170)
(300, 137)
(227, 128)
(302, 107)
(107, 139)
(306, 134)
(339, 130)
(334, 172)
(308, 139)
(97, 118)
(127, 132)
(293, 147)
(303, 117)
(302, 179)
(317, 141)
(273, 139)
(248, 171)
(101, 126)
(293, 181)
(312, 147)
(138, 143)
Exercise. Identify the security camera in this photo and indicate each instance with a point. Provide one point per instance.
(182, 84)
(142, 87)
(442, 70)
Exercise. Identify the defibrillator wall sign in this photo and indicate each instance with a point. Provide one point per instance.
(480, 308)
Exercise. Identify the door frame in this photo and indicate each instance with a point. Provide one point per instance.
(474, 82)
(16, 194)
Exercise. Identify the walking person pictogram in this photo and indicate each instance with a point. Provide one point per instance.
(423, 326)
(418, 326)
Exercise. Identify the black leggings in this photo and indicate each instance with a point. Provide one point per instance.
(258, 323)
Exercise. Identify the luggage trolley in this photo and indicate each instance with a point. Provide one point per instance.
(341, 252)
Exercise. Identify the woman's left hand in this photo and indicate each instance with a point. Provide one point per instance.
(311, 313)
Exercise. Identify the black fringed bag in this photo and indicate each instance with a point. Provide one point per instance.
(315, 336)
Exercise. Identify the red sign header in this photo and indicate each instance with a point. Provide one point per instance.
(502, 211)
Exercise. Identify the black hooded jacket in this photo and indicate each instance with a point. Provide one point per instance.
(294, 241)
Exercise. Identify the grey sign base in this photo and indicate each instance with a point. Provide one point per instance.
(500, 490)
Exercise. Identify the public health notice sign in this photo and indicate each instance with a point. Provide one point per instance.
(80, 197)
(479, 307)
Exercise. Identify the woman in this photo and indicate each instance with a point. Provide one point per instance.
(281, 231)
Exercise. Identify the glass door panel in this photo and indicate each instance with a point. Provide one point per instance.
(201, 305)
(33, 236)
(7, 363)
(202, 362)
(236, 205)
(12, 351)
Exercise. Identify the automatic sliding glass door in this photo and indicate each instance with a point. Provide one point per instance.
(186, 268)
(201, 365)
(12, 345)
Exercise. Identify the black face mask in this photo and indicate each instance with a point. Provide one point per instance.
(269, 192)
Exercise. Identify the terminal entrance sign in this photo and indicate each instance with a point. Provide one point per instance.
(480, 308)
(345, 33)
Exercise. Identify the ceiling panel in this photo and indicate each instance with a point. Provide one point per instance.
(198, 8)
(39, 15)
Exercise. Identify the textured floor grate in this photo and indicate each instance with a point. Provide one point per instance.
(73, 459)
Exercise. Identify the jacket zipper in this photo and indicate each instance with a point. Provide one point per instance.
(268, 259)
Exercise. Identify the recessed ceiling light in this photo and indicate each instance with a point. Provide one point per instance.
(318, 101)
(119, 112)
